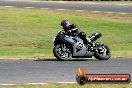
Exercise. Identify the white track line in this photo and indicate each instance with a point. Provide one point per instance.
(44, 8)
(73, 10)
(29, 7)
(121, 4)
(108, 12)
(123, 13)
(60, 2)
(35, 1)
(102, 12)
(80, 10)
(11, 0)
(66, 82)
(7, 84)
(8, 6)
(39, 83)
(96, 11)
(60, 9)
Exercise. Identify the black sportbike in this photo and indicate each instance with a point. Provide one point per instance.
(69, 47)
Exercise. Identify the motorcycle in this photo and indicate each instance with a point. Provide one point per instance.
(69, 47)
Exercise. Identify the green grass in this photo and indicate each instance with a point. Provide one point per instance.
(71, 86)
(25, 32)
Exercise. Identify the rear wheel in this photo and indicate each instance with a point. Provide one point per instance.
(62, 52)
(103, 52)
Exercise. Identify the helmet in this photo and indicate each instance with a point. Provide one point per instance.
(65, 23)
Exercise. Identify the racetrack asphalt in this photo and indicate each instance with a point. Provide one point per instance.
(117, 8)
(45, 71)
(50, 71)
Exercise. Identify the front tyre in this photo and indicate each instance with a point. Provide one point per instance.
(62, 52)
(103, 52)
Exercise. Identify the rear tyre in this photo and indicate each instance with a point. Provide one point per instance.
(62, 52)
(103, 53)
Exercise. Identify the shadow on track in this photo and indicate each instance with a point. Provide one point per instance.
(66, 60)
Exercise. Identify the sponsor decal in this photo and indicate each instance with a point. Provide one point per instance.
(83, 78)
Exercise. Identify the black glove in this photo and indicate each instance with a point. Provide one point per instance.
(73, 26)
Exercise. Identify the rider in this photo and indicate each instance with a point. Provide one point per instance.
(73, 30)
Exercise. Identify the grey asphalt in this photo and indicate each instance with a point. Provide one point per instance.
(46, 71)
(71, 6)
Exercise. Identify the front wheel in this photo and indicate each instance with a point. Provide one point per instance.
(103, 52)
(62, 52)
